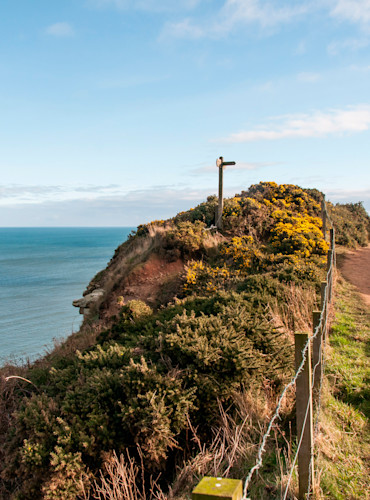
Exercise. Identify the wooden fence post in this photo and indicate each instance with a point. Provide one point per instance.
(304, 416)
(323, 216)
(324, 298)
(329, 270)
(332, 238)
(317, 353)
(332, 245)
(329, 258)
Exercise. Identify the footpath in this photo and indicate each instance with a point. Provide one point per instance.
(355, 268)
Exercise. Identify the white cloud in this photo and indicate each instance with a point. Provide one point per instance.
(356, 67)
(60, 30)
(183, 29)
(127, 81)
(146, 5)
(349, 44)
(350, 196)
(15, 194)
(355, 11)
(262, 12)
(266, 14)
(235, 13)
(119, 4)
(345, 194)
(266, 87)
(104, 209)
(317, 124)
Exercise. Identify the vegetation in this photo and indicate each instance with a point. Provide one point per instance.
(352, 224)
(344, 444)
(148, 397)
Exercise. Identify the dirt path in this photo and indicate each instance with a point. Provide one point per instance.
(356, 269)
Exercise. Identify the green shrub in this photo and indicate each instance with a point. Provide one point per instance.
(294, 269)
(204, 279)
(352, 224)
(187, 236)
(135, 309)
(204, 212)
(69, 478)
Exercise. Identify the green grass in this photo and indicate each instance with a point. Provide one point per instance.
(343, 443)
(348, 366)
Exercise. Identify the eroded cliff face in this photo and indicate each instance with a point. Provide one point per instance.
(139, 270)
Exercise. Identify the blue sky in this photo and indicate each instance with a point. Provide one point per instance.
(113, 112)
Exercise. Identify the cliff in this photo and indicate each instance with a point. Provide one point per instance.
(187, 337)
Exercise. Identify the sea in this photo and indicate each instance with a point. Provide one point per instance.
(42, 270)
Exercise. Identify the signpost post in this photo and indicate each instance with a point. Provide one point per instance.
(220, 163)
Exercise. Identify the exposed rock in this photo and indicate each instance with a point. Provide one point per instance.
(86, 301)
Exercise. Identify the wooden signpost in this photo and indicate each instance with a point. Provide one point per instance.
(220, 163)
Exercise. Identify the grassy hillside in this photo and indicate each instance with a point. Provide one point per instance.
(192, 337)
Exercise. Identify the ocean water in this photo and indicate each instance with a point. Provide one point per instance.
(42, 270)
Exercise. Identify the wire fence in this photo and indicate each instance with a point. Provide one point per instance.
(320, 330)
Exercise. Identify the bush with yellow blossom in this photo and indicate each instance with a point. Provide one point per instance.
(297, 234)
(204, 279)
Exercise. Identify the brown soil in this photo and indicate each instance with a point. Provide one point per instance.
(147, 282)
(355, 268)
(154, 281)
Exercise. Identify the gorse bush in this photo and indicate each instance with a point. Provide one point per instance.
(243, 254)
(284, 196)
(153, 371)
(135, 309)
(205, 212)
(352, 224)
(297, 234)
(202, 278)
(140, 388)
(187, 236)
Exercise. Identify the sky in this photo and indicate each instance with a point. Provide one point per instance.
(113, 112)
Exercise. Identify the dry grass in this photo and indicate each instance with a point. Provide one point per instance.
(81, 340)
(234, 447)
(12, 388)
(123, 479)
(213, 240)
(295, 315)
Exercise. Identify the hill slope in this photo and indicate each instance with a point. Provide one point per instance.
(187, 323)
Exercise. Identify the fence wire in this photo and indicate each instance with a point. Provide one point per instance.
(325, 310)
(322, 361)
(322, 326)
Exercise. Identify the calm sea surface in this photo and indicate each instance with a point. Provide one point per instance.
(41, 271)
